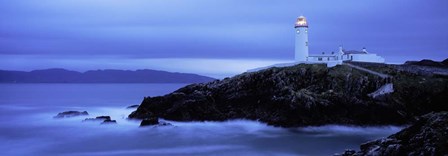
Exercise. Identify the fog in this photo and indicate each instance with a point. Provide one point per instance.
(27, 127)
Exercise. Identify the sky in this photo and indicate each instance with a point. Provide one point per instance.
(216, 38)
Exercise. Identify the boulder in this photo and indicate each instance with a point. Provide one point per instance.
(103, 117)
(150, 121)
(347, 152)
(109, 121)
(98, 118)
(68, 114)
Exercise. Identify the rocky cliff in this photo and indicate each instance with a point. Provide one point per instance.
(303, 95)
(427, 136)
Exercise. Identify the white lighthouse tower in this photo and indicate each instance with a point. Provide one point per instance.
(301, 46)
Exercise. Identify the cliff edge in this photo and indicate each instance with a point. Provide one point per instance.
(427, 136)
(304, 95)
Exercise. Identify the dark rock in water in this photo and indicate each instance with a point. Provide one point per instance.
(150, 121)
(303, 95)
(98, 118)
(347, 152)
(68, 114)
(103, 117)
(109, 121)
(428, 136)
(132, 106)
(164, 124)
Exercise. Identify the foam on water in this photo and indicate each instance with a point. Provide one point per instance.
(70, 136)
(27, 127)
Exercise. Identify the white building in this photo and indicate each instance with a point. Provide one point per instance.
(345, 55)
(331, 59)
(301, 52)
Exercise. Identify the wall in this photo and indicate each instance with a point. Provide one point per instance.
(366, 58)
(301, 44)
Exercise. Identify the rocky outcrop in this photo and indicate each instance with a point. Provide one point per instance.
(153, 121)
(428, 136)
(103, 119)
(347, 152)
(150, 121)
(98, 118)
(132, 106)
(302, 95)
(445, 62)
(68, 114)
(109, 121)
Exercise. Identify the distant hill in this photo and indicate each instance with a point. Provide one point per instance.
(426, 62)
(99, 76)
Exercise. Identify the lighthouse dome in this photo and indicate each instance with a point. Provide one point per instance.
(301, 22)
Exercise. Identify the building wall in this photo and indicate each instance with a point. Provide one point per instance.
(323, 58)
(366, 58)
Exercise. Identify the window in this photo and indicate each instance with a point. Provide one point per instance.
(306, 43)
(320, 58)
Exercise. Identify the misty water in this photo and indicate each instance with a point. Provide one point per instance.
(27, 127)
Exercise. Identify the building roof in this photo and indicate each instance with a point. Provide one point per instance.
(323, 54)
(354, 52)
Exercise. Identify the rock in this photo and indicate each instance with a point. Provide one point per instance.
(109, 121)
(150, 121)
(445, 62)
(132, 106)
(68, 114)
(347, 152)
(103, 117)
(164, 124)
(427, 136)
(303, 95)
(98, 118)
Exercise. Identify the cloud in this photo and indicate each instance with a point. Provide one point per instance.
(213, 29)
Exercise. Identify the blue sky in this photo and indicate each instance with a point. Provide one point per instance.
(211, 37)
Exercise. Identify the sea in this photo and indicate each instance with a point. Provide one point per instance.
(27, 127)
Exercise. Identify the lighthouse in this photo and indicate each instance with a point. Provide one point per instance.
(302, 56)
(301, 46)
